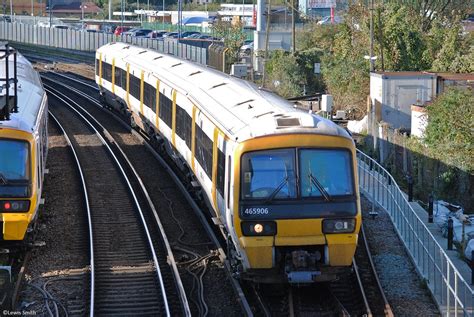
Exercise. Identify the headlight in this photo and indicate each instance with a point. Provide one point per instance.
(258, 228)
(14, 205)
(338, 225)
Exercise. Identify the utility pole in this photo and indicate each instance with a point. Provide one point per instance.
(110, 10)
(121, 14)
(293, 32)
(267, 36)
(50, 14)
(380, 37)
(372, 60)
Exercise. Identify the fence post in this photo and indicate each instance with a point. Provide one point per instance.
(410, 187)
(472, 266)
(430, 208)
(450, 234)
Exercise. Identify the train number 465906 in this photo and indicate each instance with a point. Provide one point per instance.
(256, 211)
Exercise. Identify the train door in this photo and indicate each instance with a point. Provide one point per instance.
(220, 144)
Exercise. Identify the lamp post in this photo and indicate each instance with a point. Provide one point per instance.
(50, 16)
(243, 13)
(121, 14)
(82, 15)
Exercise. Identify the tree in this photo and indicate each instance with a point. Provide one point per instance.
(403, 43)
(450, 130)
(431, 10)
(233, 36)
(345, 71)
(285, 74)
(452, 55)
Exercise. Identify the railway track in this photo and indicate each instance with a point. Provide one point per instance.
(356, 293)
(375, 298)
(129, 269)
(190, 243)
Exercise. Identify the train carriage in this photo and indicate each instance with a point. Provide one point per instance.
(281, 183)
(23, 146)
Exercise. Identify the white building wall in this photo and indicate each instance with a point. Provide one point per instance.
(397, 92)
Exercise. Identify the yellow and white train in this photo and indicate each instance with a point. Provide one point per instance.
(23, 147)
(282, 183)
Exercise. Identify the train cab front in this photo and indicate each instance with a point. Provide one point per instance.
(298, 210)
(16, 190)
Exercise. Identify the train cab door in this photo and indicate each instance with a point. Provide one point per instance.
(219, 156)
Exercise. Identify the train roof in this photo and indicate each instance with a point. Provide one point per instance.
(237, 106)
(30, 94)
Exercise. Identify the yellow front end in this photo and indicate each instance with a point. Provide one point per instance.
(294, 234)
(15, 223)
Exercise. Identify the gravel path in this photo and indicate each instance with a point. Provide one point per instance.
(63, 261)
(405, 291)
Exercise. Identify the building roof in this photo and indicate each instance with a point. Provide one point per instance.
(404, 73)
(441, 75)
(454, 76)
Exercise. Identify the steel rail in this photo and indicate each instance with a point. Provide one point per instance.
(150, 242)
(75, 79)
(89, 218)
(223, 257)
(387, 309)
(361, 288)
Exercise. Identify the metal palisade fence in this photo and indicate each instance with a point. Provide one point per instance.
(90, 41)
(452, 293)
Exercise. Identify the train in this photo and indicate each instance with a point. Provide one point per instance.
(23, 145)
(280, 183)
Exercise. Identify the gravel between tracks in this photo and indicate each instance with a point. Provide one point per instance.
(219, 296)
(404, 289)
(61, 224)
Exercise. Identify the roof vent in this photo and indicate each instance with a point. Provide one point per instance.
(288, 122)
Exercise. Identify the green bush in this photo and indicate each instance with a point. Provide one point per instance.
(450, 130)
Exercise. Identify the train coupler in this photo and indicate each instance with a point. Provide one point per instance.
(301, 266)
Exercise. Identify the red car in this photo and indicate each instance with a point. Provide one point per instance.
(120, 29)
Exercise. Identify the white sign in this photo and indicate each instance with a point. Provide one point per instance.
(316, 4)
(317, 68)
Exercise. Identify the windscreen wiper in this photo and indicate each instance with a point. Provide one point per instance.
(277, 190)
(320, 187)
(3, 180)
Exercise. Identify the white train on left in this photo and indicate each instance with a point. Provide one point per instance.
(23, 144)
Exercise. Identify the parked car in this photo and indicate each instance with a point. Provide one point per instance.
(5, 18)
(108, 28)
(171, 35)
(60, 26)
(142, 33)
(189, 33)
(157, 34)
(247, 48)
(121, 29)
(130, 31)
